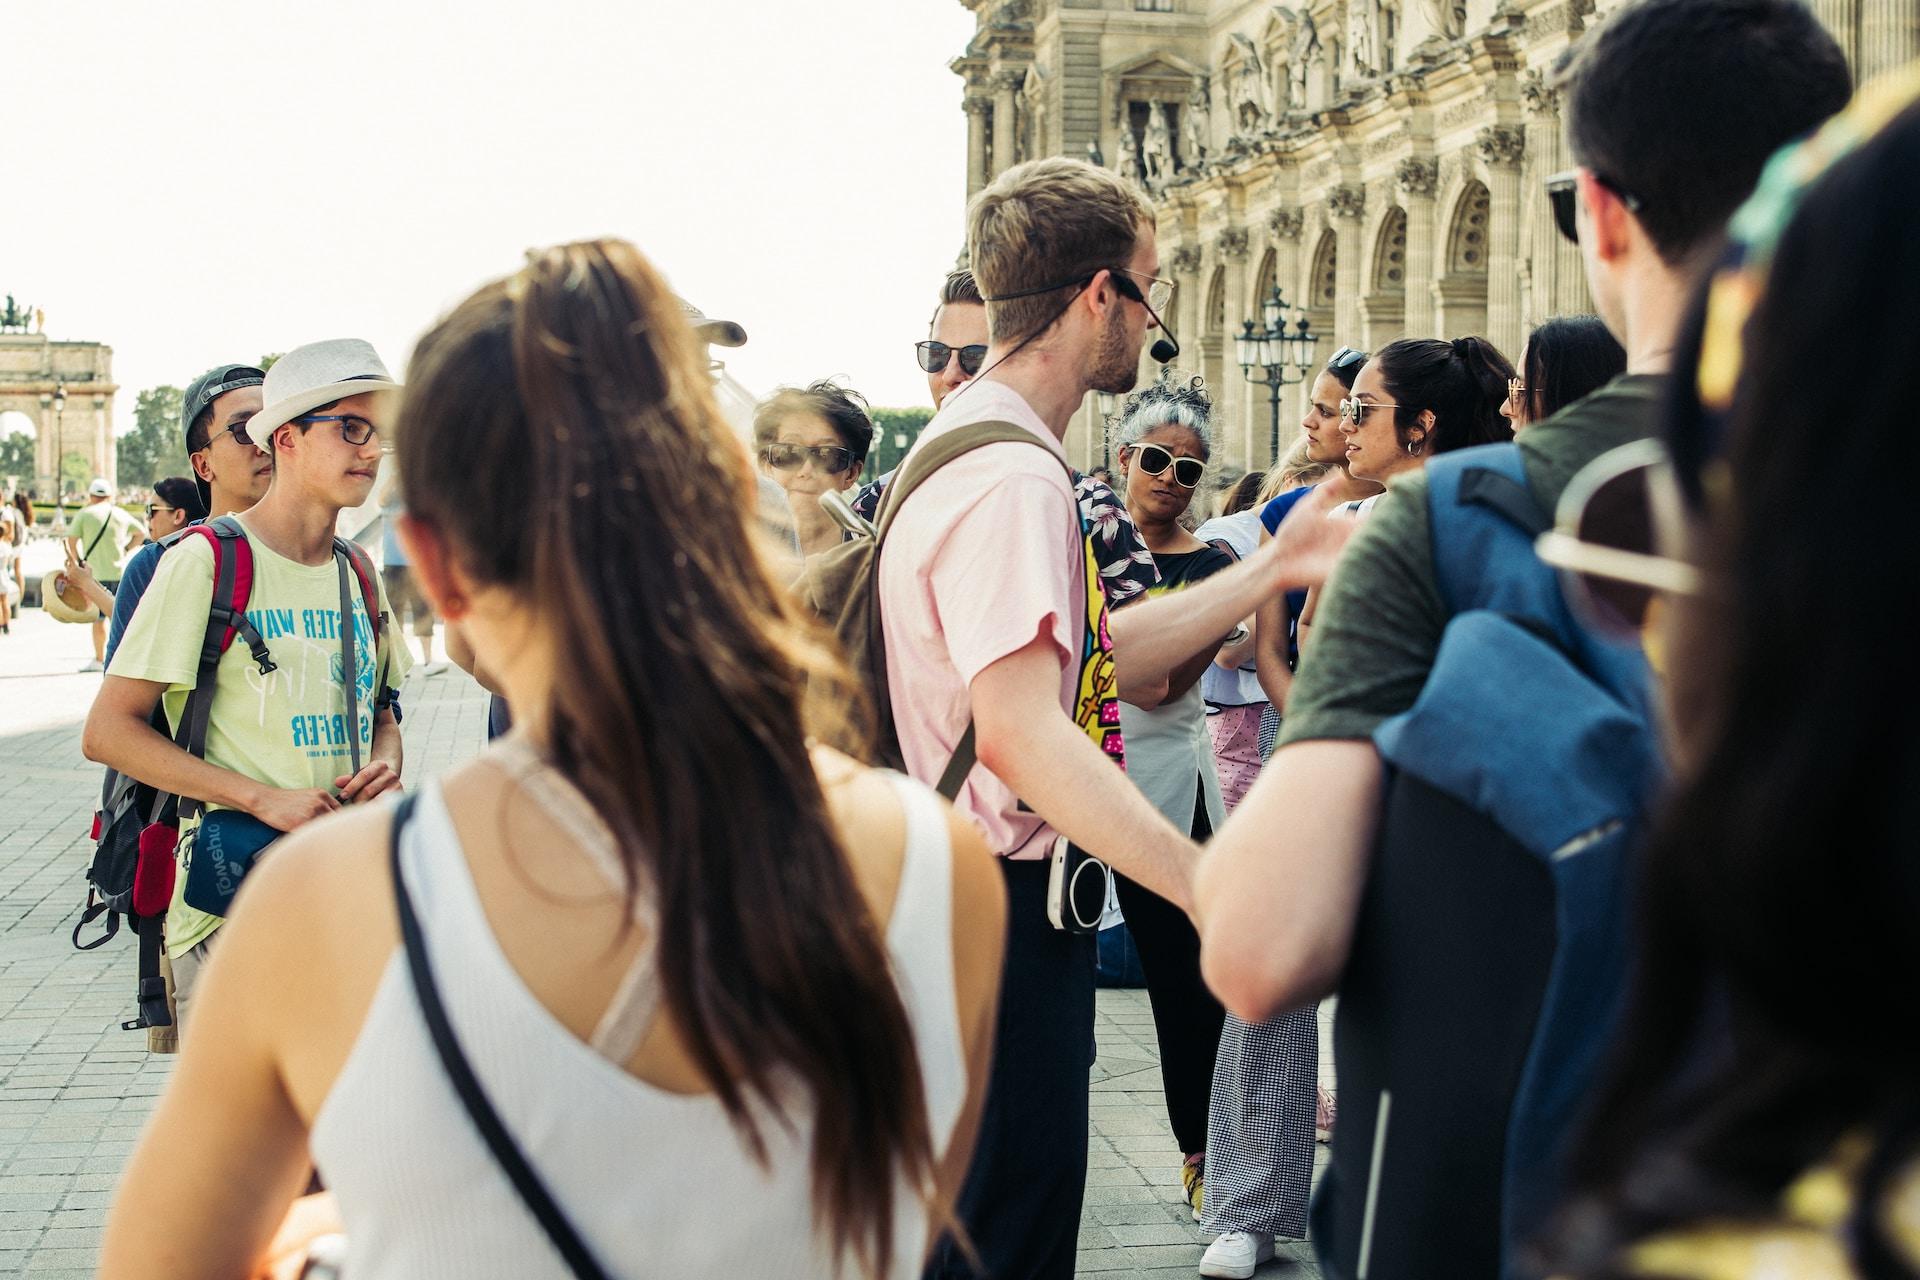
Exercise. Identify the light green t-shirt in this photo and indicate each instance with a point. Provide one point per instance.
(287, 728)
(111, 549)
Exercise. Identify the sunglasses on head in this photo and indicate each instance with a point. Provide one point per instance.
(1563, 195)
(831, 458)
(1606, 537)
(1346, 358)
(935, 355)
(1154, 461)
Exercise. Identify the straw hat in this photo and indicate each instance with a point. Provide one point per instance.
(61, 596)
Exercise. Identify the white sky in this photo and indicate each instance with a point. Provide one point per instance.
(208, 180)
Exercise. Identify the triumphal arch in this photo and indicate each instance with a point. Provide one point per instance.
(65, 388)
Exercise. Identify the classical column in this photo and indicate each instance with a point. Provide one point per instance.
(1236, 433)
(46, 450)
(103, 444)
(1005, 104)
(977, 109)
(1183, 266)
(1559, 278)
(1887, 37)
(1837, 16)
(1348, 204)
(1419, 179)
(1502, 148)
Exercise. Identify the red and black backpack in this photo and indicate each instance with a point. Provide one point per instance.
(137, 826)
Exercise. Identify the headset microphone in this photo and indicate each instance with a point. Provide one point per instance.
(1167, 350)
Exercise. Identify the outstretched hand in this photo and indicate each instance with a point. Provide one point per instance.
(1308, 544)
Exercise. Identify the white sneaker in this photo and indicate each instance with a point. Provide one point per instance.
(1236, 1253)
(92, 666)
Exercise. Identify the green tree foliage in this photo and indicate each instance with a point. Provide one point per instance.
(154, 448)
(76, 473)
(892, 427)
(267, 361)
(16, 458)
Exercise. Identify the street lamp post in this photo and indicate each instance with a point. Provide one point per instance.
(60, 456)
(1272, 351)
(1105, 401)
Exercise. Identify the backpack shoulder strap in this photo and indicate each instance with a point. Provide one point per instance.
(937, 453)
(227, 616)
(1483, 520)
(362, 565)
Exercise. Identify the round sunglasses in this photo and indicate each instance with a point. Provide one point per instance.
(934, 356)
(1154, 461)
(830, 458)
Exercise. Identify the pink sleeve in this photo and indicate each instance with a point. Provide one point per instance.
(1001, 577)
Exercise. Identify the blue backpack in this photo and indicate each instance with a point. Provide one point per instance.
(1490, 956)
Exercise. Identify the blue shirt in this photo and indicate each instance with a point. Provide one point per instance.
(126, 597)
(1271, 515)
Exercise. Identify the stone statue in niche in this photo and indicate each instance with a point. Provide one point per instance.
(1446, 18)
(1157, 157)
(1306, 48)
(1193, 151)
(1250, 96)
(1094, 157)
(1361, 20)
(1129, 166)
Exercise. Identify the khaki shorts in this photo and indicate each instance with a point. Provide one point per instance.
(188, 968)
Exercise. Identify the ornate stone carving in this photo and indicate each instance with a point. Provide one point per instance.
(1462, 113)
(1449, 170)
(1185, 260)
(1249, 88)
(1445, 18)
(1197, 131)
(1361, 20)
(1233, 244)
(1387, 144)
(1319, 171)
(1156, 157)
(1501, 146)
(1418, 177)
(1011, 81)
(1287, 223)
(1129, 166)
(1542, 99)
(1347, 201)
(977, 106)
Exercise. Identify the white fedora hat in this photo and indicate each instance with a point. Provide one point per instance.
(318, 373)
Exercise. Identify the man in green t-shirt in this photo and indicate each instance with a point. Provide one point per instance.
(279, 745)
(103, 536)
(1663, 161)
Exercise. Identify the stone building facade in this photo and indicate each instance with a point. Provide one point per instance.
(67, 389)
(1380, 161)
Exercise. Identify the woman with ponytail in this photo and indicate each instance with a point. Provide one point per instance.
(729, 992)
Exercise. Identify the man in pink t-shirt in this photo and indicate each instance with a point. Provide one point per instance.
(988, 617)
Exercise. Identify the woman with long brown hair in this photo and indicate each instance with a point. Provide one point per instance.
(728, 992)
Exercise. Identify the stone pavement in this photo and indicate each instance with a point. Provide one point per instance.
(75, 1089)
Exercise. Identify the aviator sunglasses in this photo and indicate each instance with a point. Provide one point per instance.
(1154, 461)
(935, 355)
(830, 458)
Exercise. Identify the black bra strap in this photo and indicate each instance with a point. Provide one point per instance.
(533, 1192)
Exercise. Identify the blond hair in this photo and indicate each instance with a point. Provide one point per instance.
(1294, 469)
(1043, 227)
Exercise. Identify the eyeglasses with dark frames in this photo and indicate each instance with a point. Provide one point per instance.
(831, 458)
(1563, 195)
(935, 356)
(354, 429)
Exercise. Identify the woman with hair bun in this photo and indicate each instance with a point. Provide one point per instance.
(729, 992)
(1422, 396)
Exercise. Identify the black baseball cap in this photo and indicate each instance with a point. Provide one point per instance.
(203, 391)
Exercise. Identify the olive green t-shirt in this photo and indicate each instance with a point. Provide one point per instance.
(1377, 629)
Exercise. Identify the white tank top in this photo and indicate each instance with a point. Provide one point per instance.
(656, 1183)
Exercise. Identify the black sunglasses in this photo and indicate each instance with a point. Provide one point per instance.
(354, 429)
(832, 458)
(1154, 461)
(1562, 194)
(1345, 358)
(935, 355)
